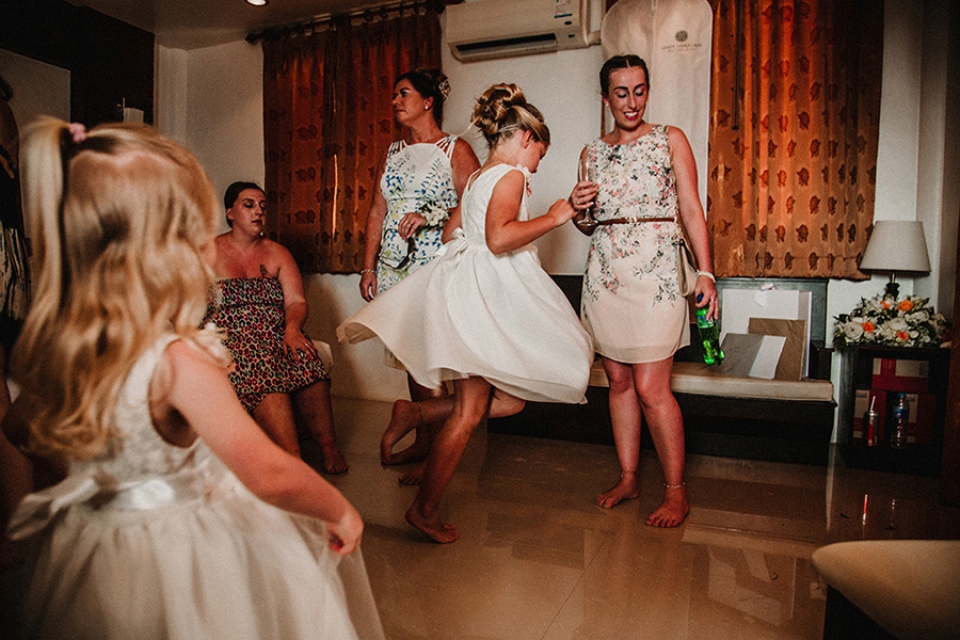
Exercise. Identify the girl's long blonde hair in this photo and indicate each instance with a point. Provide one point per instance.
(119, 221)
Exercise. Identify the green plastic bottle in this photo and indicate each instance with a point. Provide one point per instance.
(710, 336)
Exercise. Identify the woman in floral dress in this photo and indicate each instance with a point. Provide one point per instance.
(262, 308)
(644, 179)
(420, 182)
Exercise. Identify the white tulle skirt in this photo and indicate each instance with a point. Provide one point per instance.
(222, 565)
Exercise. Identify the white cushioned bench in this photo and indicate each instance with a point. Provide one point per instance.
(697, 378)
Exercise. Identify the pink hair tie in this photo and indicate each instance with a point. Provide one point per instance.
(78, 132)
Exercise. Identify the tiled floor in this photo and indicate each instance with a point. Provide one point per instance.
(538, 560)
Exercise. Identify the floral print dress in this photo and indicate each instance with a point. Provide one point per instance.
(251, 312)
(417, 178)
(630, 302)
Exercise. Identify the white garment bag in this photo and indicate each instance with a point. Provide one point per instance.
(674, 38)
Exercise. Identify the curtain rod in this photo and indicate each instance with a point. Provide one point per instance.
(383, 10)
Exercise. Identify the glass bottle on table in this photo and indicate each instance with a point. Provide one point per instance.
(901, 416)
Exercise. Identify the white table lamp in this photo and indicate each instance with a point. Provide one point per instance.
(896, 246)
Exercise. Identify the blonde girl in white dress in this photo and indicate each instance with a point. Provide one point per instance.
(177, 517)
(484, 314)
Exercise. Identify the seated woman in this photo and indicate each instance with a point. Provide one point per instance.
(262, 308)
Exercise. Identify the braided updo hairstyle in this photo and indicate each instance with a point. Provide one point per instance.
(503, 110)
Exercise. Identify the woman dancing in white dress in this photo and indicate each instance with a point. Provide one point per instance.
(484, 314)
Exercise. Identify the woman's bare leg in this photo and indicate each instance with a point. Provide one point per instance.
(401, 426)
(665, 421)
(316, 411)
(471, 404)
(274, 414)
(625, 418)
(436, 411)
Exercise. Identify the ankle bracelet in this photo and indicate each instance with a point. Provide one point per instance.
(674, 486)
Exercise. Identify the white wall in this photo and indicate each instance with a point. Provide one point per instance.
(222, 107)
(38, 88)
(565, 87)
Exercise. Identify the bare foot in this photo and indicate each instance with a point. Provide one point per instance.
(333, 460)
(414, 476)
(627, 488)
(404, 418)
(417, 452)
(433, 527)
(672, 510)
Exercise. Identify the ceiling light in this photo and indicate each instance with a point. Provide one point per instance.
(257, 3)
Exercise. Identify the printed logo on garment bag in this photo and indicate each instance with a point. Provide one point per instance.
(681, 36)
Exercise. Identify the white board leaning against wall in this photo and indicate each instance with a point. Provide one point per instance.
(674, 38)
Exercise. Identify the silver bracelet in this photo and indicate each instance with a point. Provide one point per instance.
(707, 274)
(362, 271)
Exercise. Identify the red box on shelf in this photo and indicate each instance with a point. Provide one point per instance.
(900, 374)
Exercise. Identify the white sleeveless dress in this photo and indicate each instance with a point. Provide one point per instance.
(471, 313)
(151, 540)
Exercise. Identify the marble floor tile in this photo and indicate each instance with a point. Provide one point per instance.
(538, 560)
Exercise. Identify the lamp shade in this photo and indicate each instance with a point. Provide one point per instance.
(896, 245)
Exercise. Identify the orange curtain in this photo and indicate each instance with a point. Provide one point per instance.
(794, 126)
(328, 120)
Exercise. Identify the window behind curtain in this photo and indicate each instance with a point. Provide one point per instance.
(795, 112)
(328, 120)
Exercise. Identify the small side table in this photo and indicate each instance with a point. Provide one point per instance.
(856, 372)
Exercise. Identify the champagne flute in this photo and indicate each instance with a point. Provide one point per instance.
(588, 223)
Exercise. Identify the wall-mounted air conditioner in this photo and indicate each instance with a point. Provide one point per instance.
(484, 29)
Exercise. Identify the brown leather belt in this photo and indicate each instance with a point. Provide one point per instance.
(634, 220)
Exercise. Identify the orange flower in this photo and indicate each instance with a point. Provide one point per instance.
(905, 305)
(868, 327)
(885, 303)
(903, 335)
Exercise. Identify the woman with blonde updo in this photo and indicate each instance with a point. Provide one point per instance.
(484, 314)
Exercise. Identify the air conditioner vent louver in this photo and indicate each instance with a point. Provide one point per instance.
(523, 44)
(485, 29)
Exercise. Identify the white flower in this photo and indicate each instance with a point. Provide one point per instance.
(898, 324)
(853, 330)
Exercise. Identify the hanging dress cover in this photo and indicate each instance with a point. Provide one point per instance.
(674, 38)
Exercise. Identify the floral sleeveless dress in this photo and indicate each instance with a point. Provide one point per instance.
(417, 178)
(250, 311)
(630, 303)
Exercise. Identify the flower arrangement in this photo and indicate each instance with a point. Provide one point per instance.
(884, 320)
